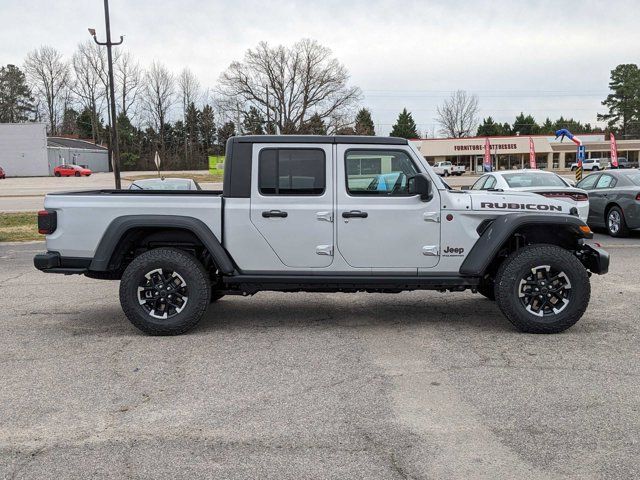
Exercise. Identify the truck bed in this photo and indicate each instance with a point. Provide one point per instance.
(84, 216)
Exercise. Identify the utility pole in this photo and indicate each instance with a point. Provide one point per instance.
(268, 130)
(115, 150)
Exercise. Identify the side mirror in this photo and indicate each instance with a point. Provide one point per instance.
(465, 187)
(420, 184)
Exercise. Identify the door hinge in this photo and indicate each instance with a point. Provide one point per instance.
(325, 216)
(431, 217)
(430, 250)
(324, 250)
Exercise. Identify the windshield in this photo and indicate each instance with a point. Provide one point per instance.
(634, 177)
(533, 179)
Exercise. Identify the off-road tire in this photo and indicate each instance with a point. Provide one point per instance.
(197, 283)
(518, 265)
(623, 230)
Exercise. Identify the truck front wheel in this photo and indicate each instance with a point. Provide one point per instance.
(542, 289)
(165, 291)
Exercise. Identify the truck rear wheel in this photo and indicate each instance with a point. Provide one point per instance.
(542, 289)
(165, 291)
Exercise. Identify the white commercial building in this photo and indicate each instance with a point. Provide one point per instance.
(513, 152)
(23, 149)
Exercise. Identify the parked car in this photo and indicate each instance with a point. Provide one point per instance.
(623, 162)
(2, 174)
(447, 168)
(590, 164)
(547, 184)
(165, 184)
(66, 170)
(299, 213)
(614, 200)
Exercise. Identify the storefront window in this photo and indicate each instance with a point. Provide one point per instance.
(569, 158)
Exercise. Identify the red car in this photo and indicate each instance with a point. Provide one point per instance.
(71, 171)
(2, 174)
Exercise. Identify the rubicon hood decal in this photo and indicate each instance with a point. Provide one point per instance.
(538, 207)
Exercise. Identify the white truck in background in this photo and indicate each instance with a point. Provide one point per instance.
(445, 169)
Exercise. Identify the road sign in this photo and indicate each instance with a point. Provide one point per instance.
(580, 157)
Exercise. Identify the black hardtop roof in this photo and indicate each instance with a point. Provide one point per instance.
(352, 139)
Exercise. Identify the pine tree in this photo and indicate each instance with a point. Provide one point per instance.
(364, 123)
(253, 122)
(405, 126)
(525, 125)
(624, 101)
(69, 122)
(207, 128)
(547, 127)
(225, 132)
(16, 102)
(314, 126)
(86, 122)
(345, 131)
(489, 128)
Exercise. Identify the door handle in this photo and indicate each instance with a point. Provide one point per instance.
(274, 213)
(355, 214)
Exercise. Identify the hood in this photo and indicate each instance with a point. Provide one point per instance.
(516, 201)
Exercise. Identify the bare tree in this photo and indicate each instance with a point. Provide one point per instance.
(49, 76)
(458, 115)
(88, 85)
(289, 85)
(128, 77)
(189, 93)
(159, 97)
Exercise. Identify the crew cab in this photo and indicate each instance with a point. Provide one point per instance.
(447, 168)
(323, 214)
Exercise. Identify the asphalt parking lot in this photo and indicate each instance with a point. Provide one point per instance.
(295, 386)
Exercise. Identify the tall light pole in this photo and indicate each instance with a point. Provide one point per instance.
(115, 151)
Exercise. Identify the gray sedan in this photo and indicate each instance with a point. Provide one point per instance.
(614, 200)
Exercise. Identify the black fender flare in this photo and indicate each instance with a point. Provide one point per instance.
(121, 225)
(493, 238)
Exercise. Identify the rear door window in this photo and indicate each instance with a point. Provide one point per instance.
(606, 181)
(291, 172)
(588, 183)
(490, 183)
(479, 183)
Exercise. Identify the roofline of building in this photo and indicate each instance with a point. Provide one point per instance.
(97, 147)
(492, 136)
(24, 123)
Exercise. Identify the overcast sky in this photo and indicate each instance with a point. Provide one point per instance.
(547, 58)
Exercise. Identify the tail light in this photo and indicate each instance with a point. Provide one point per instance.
(47, 222)
(577, 196)
(638, 197)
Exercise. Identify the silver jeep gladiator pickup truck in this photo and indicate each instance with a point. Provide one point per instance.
(323, 214)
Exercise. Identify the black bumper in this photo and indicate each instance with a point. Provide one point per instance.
(594, 258)
(52, 262)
